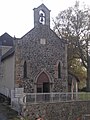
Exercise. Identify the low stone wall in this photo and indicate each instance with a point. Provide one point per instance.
(75, 110)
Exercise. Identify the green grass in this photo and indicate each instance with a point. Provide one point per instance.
(84, 96)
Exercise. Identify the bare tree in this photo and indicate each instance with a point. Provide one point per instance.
(73, 25)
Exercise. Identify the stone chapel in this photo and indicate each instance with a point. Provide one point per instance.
(37, 61)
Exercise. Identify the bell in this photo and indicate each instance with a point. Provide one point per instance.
(41, 15)
(41, 19)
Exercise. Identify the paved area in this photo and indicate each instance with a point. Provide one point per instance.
(2, 117)
(6, 113)
(3, 112)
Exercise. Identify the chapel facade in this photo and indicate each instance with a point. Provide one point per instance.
(41, 57)
(37, 61)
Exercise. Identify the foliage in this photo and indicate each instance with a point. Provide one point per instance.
(73, 25)
(77, 69)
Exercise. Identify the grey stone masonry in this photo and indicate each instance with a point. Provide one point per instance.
(45, 57)
(44, 9)
(75, 110)
(41, 57)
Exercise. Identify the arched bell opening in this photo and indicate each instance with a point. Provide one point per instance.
(42, 17)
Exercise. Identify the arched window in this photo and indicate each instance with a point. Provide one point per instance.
(25, 69)
(59, 70)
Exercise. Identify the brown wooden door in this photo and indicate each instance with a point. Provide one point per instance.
(46, 87)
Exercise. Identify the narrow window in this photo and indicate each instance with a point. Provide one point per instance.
(25, 69)
(59, 70)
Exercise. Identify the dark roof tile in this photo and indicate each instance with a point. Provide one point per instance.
(8, 54)
(6, 40)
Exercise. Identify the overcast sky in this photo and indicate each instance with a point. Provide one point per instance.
(16, 16)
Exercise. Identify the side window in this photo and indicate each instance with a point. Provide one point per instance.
(59, 70)
(25, 69)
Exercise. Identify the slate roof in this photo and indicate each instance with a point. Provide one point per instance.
(9, 53)
(6, 40)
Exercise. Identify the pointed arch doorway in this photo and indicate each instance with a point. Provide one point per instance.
(43, 83)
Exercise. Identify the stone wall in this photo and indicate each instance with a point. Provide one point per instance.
(40, 58)
(75, 110)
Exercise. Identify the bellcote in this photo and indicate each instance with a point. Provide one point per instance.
(41, 15)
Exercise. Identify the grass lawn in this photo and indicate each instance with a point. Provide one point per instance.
(84, 96)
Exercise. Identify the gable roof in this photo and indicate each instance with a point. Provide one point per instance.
(42, 29)
(42, 6)
(9, 53)
(6, 40)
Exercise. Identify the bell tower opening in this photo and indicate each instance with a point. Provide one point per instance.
(41, 15)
